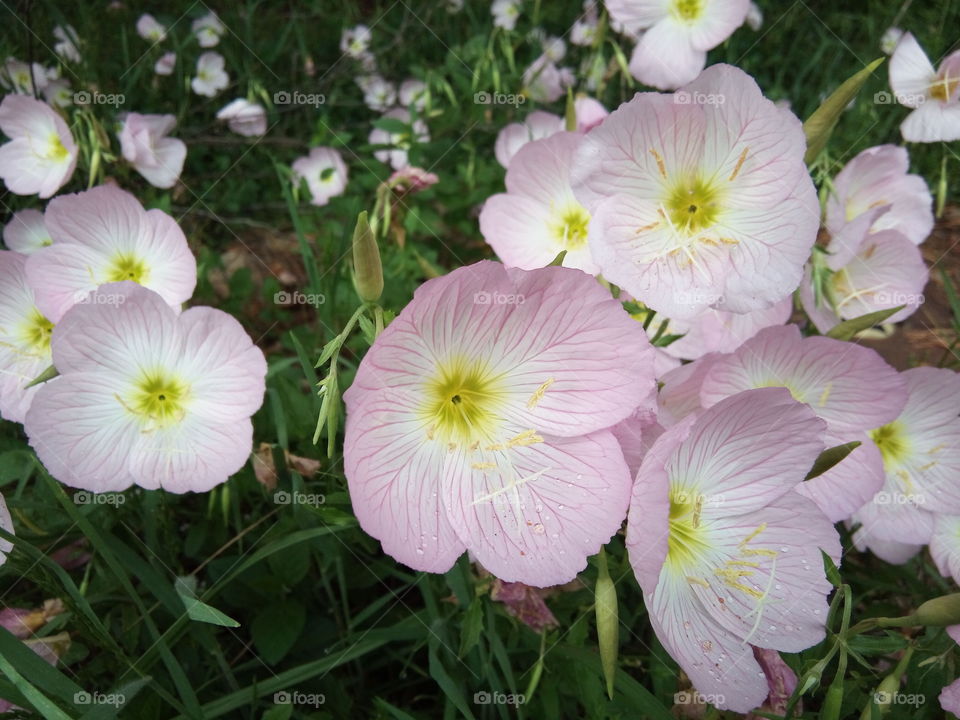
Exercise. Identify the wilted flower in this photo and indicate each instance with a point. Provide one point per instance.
(355, 41)
(146, 396)
(673, 49)
(24, 339)
(325, 173)
(700, 199)
(26, 232)
(149, 29)
(538, 216)
(477, 421)
(525, 603)
(535, 126)
(104, 235)
(727, 554)
(400, 142)
(409, 179)
(211, 78)
(41, 155)
(505, 13)
(145, 145)
(166, 64)
(244, 117)
(934, 94)
(208, 30)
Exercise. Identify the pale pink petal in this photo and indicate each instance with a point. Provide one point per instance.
(680, 393)
(950, 698)
(945, 545)
(910, 72)
(665, 56)
(848, 485)
(26, 232)
(718, 331)
(932, 122)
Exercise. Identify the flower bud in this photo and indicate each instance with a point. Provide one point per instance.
(940, 611)
(608, 624)
(368, 271)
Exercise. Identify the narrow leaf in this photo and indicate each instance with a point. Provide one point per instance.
(608, 625)
(848, 328)
(197, 610)
(830, 457)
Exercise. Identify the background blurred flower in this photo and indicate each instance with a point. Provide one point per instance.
(933, 94)
(145, 145)
(325, 173)
(244, 117)
(208, 30)
(149, 29)
(26, 232)
(41, 155)
(211, 78)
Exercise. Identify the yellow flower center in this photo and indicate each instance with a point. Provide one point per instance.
(36, 333)
(570, 227)
(687, 541)
(127, 267)
(693, 206)
(892, 441)
(462, 401)
(160, 397)
(688, 10)
(943, 88)
(55, 149)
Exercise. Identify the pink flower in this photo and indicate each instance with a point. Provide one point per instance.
(699, 202)
(781, 682)
(524, 603)
(538, 216)
(590, 113)
(26, 232)
(211, 78)
(41, 155)
(863, 273)
(719, 331)
(536, 125)
(934, 94)
(379, 94)
(413, 93)
(878, 178)
(680, 391)
(325, 173)
(145, 145)
(149, 29)
(104, 235)
(673, 50)
(727, 554)
(920, 450)
(244, 117)
(410, 179)
(950, 695)
(399, 142)
(543, 81)
(166, 64)
(146, 396)
(505, 13)
(24, 338)
(355, 41)
(479, 421)
(848, 386)
(208, 30)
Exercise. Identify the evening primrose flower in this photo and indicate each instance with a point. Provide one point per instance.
(24, 338)
(673, 49)
(378, 93)
(165, 64)
(878, 178)
(538, 216)
(41, 155)
(921, 460)
(325, 173)
(413, 93)
(150, 29)
(400, 142)
(211, 78)
(104, 235)
(355, 41)
(208, 30)
(479, 421)
(146, 396)
(847, 385)
(22, 78)
(700, 198)
(726, 552)
(67, 41)
(145, 144)
(26, 232)
(933, 94)
(244, 117)
(505, 13)
(535, 126)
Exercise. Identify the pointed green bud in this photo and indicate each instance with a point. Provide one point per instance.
(368, 272)
(608, 623)
(570, 115)
(939, 612)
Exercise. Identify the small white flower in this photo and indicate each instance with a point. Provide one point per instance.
(211, 78)
(208, 30)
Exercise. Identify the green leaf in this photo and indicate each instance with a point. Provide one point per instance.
(366, 327)
(472, 627)
(830, 457)
(820, 124)
(848, 328)
(830, 568)
(197, 610)
(393, 126)
(277, 628)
